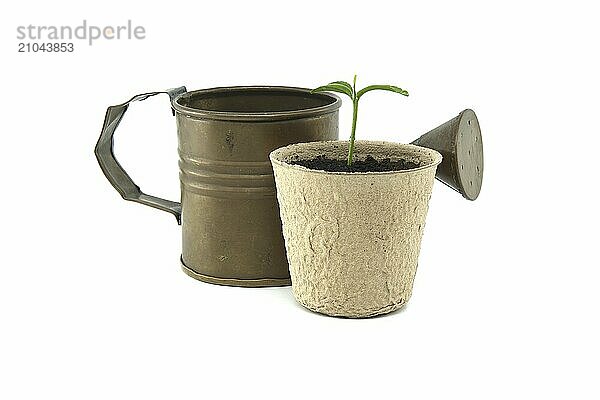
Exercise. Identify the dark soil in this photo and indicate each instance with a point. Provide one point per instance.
(367, 165)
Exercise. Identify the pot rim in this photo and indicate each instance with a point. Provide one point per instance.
(192, 112)
(276, 155)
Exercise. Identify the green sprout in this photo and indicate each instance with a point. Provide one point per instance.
(350, 90)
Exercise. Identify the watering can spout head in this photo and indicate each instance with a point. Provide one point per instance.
(459, 142)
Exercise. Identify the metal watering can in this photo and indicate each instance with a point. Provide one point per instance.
(228, 211)
(231, 229)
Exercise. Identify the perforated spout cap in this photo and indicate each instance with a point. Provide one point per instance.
(459, 142)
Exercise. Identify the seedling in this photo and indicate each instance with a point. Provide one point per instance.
(350, 90)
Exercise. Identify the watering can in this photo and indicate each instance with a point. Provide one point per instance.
(231, 229)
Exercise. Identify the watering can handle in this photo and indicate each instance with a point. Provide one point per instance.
(113, 171)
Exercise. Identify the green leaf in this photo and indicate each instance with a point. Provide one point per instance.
(345, 84)
(390, 88)
(335, 87)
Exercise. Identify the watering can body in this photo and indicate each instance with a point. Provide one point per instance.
(231, 229)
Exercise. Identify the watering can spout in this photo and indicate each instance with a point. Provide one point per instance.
(459, 142)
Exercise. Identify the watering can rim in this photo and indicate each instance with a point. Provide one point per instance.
(197, 113)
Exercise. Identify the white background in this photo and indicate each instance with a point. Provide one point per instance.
(93, 304)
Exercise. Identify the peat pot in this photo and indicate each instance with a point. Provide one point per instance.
(228, 210)
(353, 238)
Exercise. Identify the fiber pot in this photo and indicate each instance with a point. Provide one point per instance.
(353, 238)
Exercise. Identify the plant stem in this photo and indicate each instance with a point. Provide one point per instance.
(352, 135)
